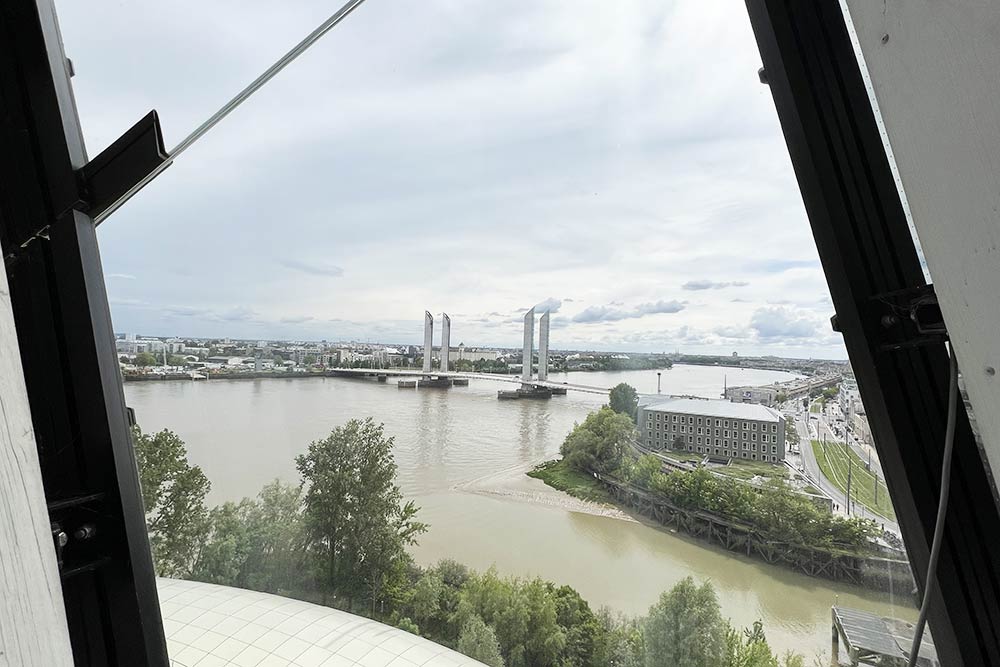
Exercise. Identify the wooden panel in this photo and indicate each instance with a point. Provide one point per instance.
(934, 67)
(32, 618)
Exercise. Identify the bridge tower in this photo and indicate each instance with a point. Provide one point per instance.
(428, 340)
(543, 347)
(445, 341)
(529, 340)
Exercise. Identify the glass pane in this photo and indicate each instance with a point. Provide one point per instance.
(323, 310)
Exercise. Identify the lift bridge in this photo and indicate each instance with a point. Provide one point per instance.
(528, 384)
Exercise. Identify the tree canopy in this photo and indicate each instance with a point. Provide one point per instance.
(356, 522)
(144, 359)
(173, 492)
(624, 400)
(598, 444)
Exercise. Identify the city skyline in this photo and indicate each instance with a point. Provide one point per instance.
(621, 166)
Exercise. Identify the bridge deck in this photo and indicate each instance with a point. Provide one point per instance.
(492, 377)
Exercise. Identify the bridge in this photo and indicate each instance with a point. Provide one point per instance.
(528, 384)
(421, 378)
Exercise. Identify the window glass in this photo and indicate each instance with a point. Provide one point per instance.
(280, 298)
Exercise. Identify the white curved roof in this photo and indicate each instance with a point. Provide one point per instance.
(217, 626)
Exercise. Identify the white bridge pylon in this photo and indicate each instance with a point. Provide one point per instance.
(527, 354)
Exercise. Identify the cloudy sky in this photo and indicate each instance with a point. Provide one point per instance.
(618, 163)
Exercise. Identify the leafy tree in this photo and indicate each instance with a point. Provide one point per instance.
(749, 648)
(257, 543)
(408, 625)
(521, 613)
(144, 359)
(464, 366)
(620, 640)
(176, 360)
(624, 400)
(685, 628)
(356, 521)
(173, 492)
(309, 359)
(581, 625)
(597, 445)
(478, 641)
(780, 397)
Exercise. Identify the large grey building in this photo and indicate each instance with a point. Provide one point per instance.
(712, 427)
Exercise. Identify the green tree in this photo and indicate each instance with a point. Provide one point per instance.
(355, 519)
(624, 400)
(478, 641)
(309, 359)
(173, 492)
(176, 360)
(582, 628)
(685, 628)
(620, 641)
(597, 445)
(144, 359)
(257, 543)
(522, 614)
(748, 648)
(408, 625)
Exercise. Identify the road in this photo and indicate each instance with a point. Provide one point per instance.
(816, 476)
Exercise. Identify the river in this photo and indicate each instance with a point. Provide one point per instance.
(461, 456)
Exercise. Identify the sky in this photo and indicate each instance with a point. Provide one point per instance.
(618, 164)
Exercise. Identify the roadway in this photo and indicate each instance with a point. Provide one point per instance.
(813, 472)
(492, 377)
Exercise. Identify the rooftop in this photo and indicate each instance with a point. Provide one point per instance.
(715, 408)
(209, 625)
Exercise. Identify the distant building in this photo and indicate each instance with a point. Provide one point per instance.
(713, 427)
(766, 395)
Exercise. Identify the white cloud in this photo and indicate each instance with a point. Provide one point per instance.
(475, 159)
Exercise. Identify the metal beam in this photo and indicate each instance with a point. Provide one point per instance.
(868, 256)
(68, 353)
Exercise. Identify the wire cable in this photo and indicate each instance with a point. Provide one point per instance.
(236, 101)
(949, 445)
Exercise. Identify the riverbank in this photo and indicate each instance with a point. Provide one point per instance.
(864, 570)
(510, 484)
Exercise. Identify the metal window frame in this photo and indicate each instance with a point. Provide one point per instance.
(64, 329)
(66, 341)
(870, 262)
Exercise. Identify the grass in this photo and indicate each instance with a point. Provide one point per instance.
(815, 407)
(833, 462)
(578, 484)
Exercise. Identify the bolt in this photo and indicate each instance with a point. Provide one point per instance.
(889, 321)
(885, 38)
(991, 371)
(85, 532)
(61, 538)
(762, 75)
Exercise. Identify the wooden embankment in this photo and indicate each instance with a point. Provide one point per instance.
(885, 574)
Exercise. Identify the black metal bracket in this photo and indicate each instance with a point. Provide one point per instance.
(122, 165)
(104, 179)
(908, 318)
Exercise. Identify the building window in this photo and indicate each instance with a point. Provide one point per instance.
(699, 450)
(698, 440)
(699, 421)
(774, 449)
(690, 420)
(774, 428)
(753, 426)
(753, 436)
(727, 423)
(763, 437)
